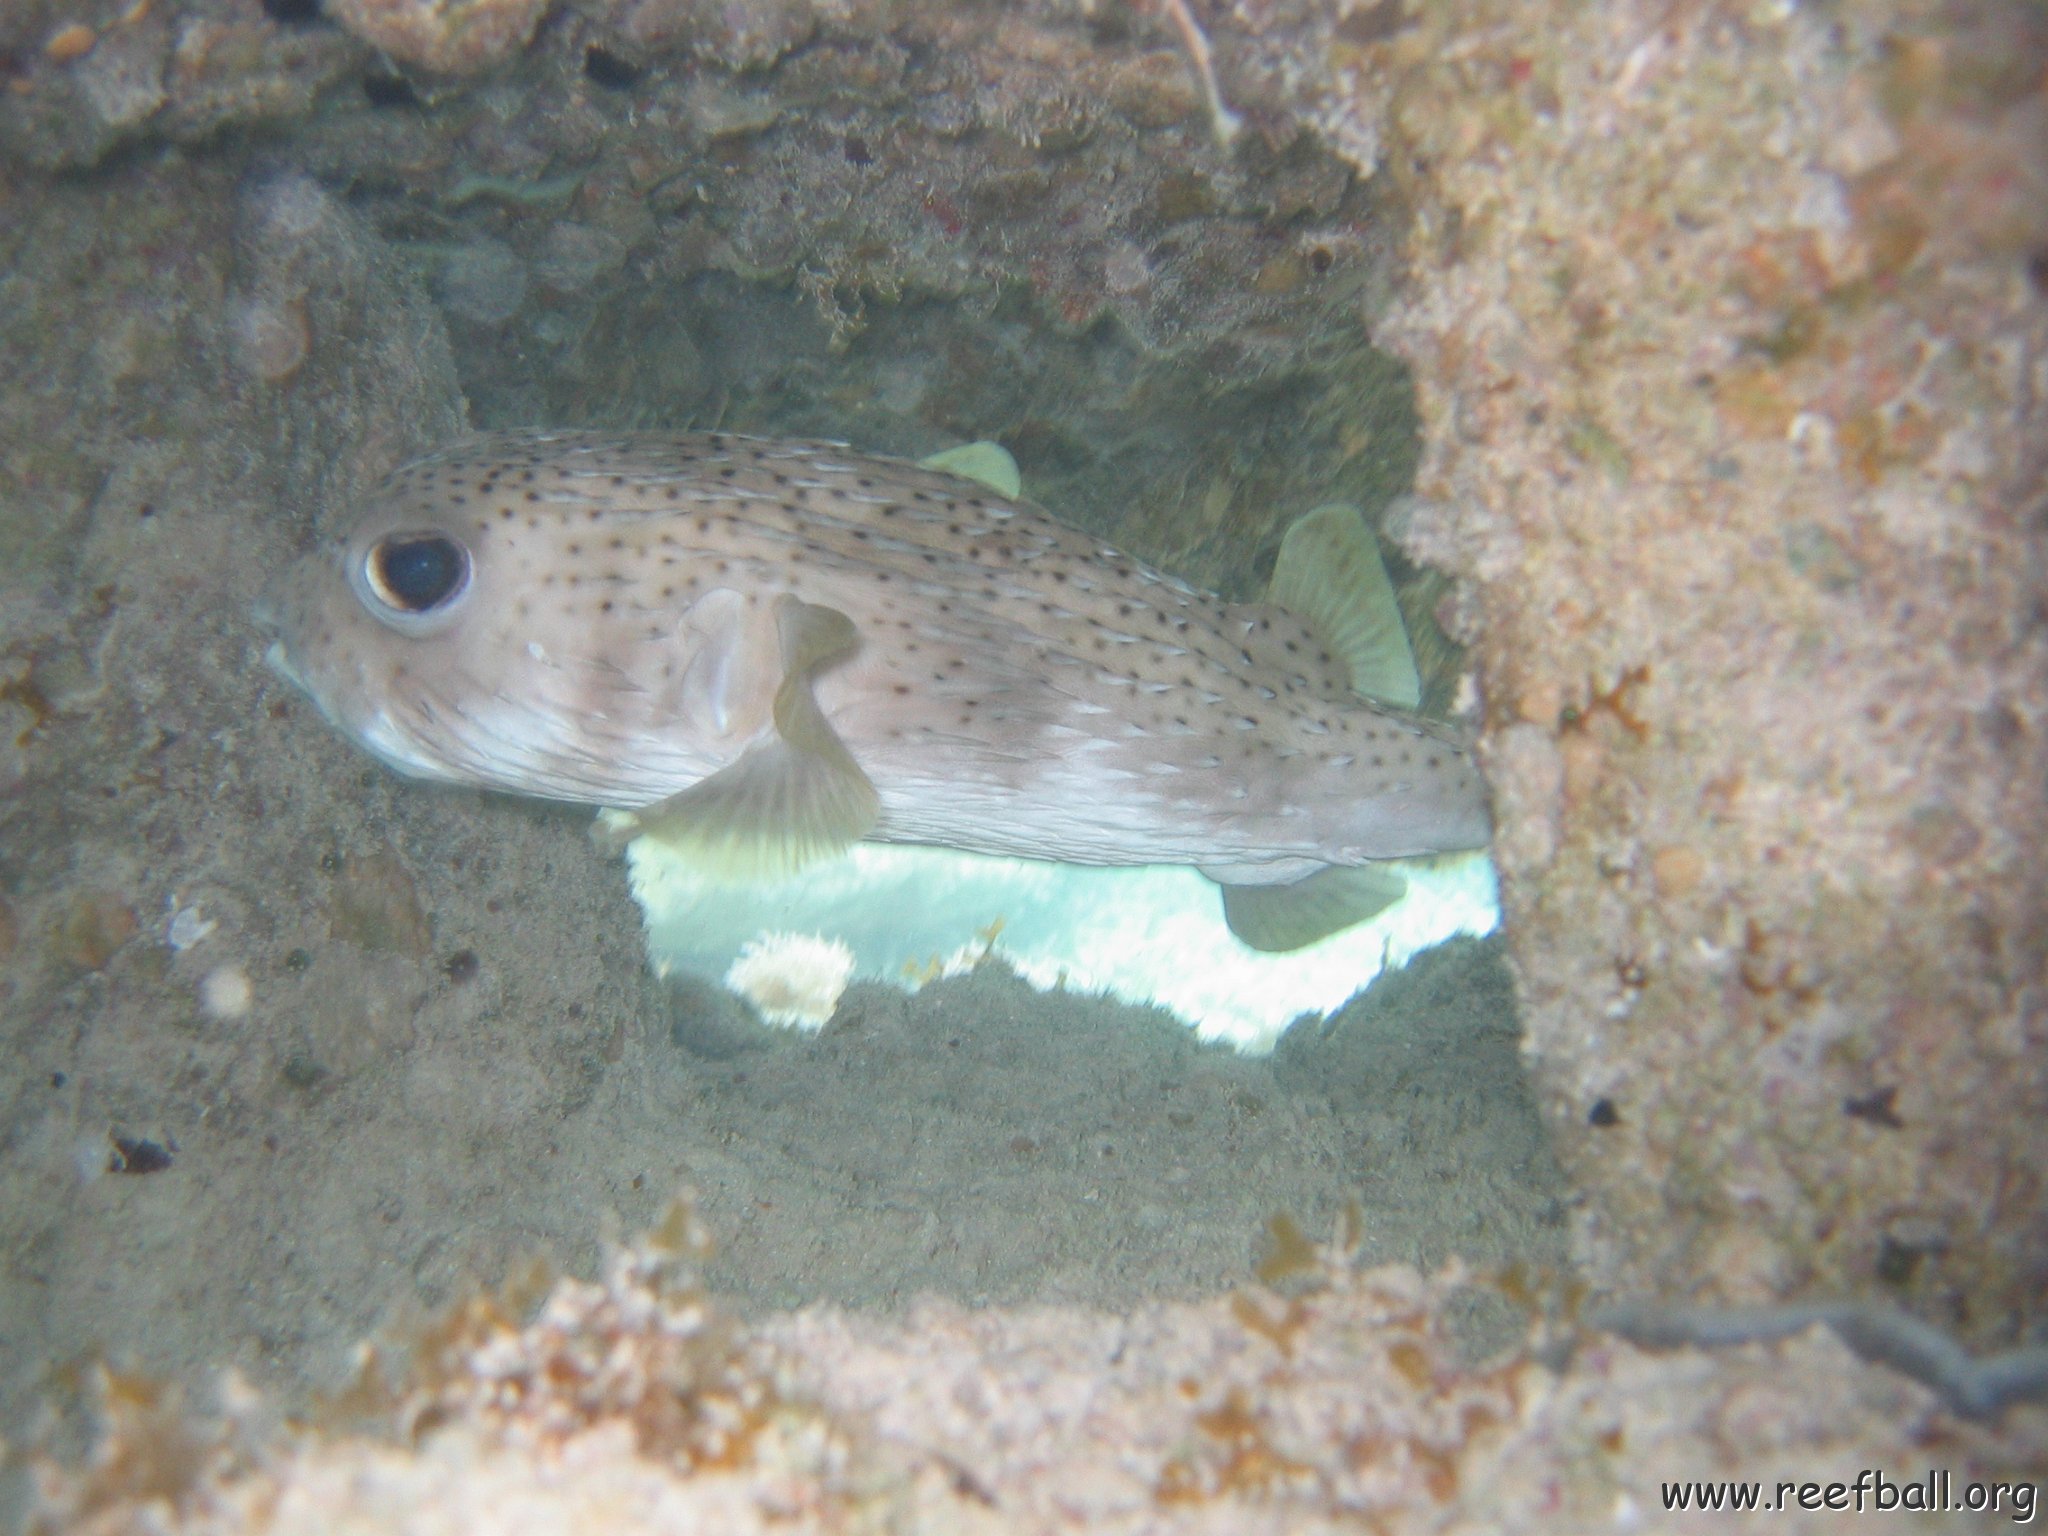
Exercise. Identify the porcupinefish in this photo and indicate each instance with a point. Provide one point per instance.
(764, 651)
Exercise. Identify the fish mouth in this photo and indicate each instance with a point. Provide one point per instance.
(277, 656)
(270, 613)
(279, 660)
(267, 612)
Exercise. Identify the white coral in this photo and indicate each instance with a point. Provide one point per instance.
(793, 979)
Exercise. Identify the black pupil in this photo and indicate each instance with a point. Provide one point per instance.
(418, 573)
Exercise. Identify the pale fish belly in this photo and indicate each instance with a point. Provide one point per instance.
(766, 650)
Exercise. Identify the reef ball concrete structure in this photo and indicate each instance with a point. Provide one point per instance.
(1732, 349)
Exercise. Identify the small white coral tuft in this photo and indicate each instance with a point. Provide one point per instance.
(792, 979)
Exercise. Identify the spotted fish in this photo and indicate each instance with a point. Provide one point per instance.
(764, 651)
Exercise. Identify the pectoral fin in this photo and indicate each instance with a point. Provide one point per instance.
(792, 798)
(984, 463)
(714, 628)
(1277, 918)
(1330, 576)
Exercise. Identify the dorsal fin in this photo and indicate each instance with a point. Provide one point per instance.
(1330, 576)
(788, 800)
(985, 463)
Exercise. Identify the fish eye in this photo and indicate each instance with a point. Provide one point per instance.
(416, 574)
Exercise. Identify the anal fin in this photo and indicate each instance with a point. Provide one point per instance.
(788, 800)
(1278, 918)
